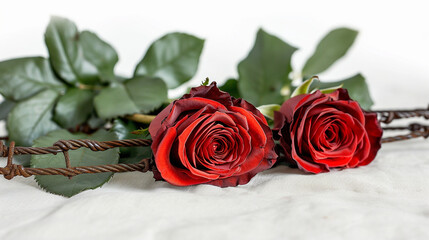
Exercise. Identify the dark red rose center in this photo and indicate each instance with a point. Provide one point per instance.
(217, 147)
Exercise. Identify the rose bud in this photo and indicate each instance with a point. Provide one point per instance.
(207, 136)
(319, 132)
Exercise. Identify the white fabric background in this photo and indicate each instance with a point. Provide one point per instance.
(388, 199)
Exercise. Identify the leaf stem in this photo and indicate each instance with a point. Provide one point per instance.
(89, 87)
(141, 118)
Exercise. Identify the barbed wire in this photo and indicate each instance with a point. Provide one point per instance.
(387, 116)
(11, 170)
(63, 146)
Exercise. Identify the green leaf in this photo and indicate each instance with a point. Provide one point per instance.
(100, 54)
(331, 48)
(357, 88)
(148, 93)
(31, 118)
(304, 87)
(140, 94)
(141, 131)
(268, 110)
(82, 157)
(121, 78)
(265, 70)
(74, 107)
(95, 122)
(173, 58)
(205, 82)
(23, 77)
(114, 101)
(66, 53)
(135, 155)
(330, 89)
(231, 87)
(5, 107)
(123, 129)
(23, 160)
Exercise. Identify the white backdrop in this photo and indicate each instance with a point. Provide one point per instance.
(391, 49)
(385, 200)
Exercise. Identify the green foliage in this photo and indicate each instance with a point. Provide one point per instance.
(137, 95)
(205, 82)
(356, 86)
(24, 77)
(77, 85)
(127, 130)
(74, 107)
(5, 107)
(62, 39)
(314, 84)
(100, 54)
(268, 110)
(141, 131)
(82, 157)
(231, 86)
(173, 58)
(304, 87)
(32, 118)
(264, 73)
(148, 93)
(331, 48)
(330, 89)
(109, 107)
(265, 70)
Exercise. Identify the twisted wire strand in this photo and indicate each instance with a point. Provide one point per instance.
(18, 170)
(416, 130)
(63, 146)
(411, 127)
(411, 135)
(387, 116)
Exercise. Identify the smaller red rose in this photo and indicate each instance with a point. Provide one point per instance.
(320, 132)
(208, 136)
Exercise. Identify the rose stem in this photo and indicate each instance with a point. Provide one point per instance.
(141, 118)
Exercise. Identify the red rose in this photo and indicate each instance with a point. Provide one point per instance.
(208, 136)
(325, 131)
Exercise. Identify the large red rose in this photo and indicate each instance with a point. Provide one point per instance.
(327, 131)
(208, 136)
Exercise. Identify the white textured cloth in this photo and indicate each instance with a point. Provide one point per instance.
(389, 199)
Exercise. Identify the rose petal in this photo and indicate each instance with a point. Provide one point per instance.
(259, 140)
(210, 92)
(168, 172)
(375, 133)
(184, 105)
(155, 125)
(183, 147)
(249, 107)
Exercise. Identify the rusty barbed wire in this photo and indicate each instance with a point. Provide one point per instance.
(63, 146)
(416, 129)
(408, 136)
(387, 116)
(411, 127)
(10, 171)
